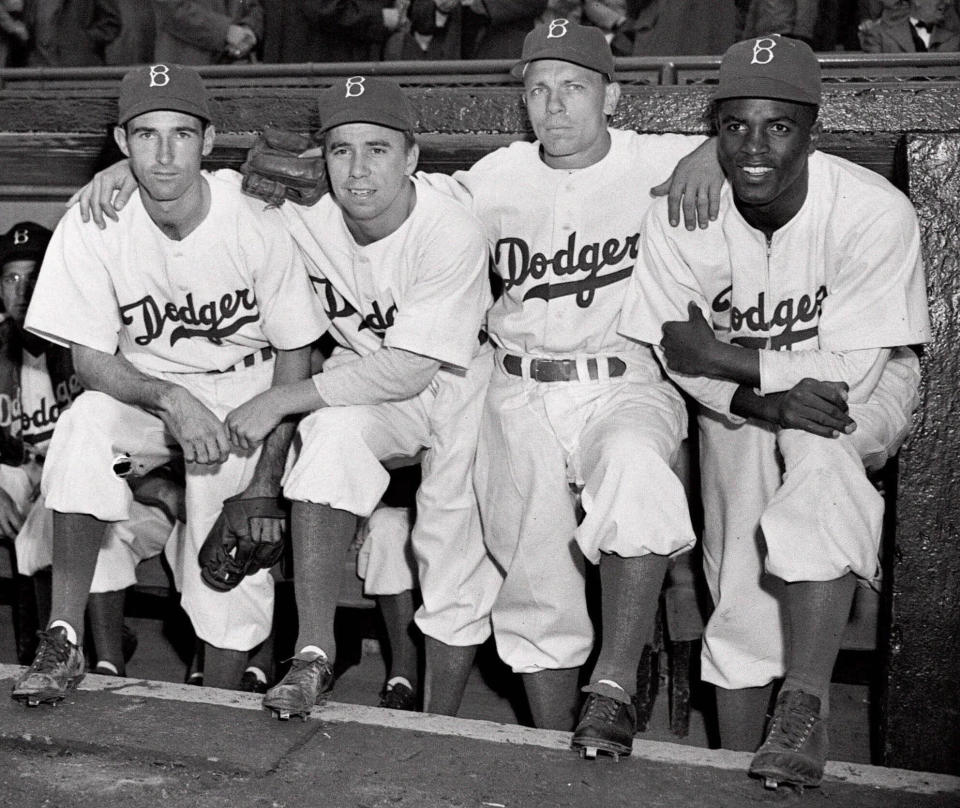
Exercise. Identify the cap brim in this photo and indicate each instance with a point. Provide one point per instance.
(583, 61)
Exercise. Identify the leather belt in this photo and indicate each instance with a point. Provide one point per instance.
(564, 370)
(261, 355)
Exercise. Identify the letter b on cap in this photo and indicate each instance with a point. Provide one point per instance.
(354, 87)
(21, 236)
(159, 76)
(763, 53)
(558, 28)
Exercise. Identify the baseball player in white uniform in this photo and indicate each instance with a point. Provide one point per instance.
(572, 404)
(173, 318)
(813, 284)
(401, 270)
(42, 384)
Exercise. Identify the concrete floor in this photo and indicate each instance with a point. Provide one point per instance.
(492, 693)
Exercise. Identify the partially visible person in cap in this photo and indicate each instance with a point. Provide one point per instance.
(196, 301)
(572, 403)
(38, 384)
(788, 321)
(402, 272)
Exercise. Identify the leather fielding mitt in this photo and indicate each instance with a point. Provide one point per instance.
(273, 171)
(230, 551)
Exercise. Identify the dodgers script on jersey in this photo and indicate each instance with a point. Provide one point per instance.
(423, 288)
(564, 252)
(233, 285)
(844, 274)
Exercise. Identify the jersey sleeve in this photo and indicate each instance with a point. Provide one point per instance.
(291, 314)
(878, 298)
(443, 308)
(74, 300)
(660, 288)
(781, 370)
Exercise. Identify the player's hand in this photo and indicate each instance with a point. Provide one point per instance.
(251, 422)
(11, 520)
(694, 186)
(202, 436)
(267, 530)
(688, 345)
(814, 406)
(105, 194)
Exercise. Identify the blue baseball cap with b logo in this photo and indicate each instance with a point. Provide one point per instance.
(366, 99)
(772, 66)
(24, 241)
(160, 86)
(568, 42)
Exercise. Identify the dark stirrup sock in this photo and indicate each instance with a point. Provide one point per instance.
(397, 613)
(629, 596)
(321, 537)
(818, 612)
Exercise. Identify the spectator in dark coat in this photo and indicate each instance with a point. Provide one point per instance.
(138, 32)
(204, 32)
(919, 26)
(70, 33)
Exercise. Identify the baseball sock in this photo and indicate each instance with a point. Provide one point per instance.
(445, 676)
(552, 697)
(321, 538)
(397, 613)
(76, 545)
(742, 716)
(629, 596)
(223, 667)
(817, 614)
(105, 611)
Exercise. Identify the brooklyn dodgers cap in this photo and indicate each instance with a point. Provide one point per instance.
(366, 99)
(565, 40)
(162, 86)
(23, 242)
(770, 67)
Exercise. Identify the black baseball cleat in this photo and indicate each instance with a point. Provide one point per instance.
(306, 684)
(56, 670)
(398, 697)
(795, 750)
(251, 683)
(606, 725)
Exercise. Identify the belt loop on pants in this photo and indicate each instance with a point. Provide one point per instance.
(261, 355)
(583, 369)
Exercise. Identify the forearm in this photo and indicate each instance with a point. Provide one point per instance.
(290, 367)
(119, 379)
(389, 374)
(747, 404)
(192, 23)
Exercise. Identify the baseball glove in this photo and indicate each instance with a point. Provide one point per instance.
(230, 551)
(274, 172)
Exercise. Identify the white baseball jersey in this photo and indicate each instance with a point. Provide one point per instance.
(565, 242)
(233, 285)
(40, 404)
(844, 274)
(423, 288)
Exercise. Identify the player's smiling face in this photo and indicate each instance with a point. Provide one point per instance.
(165, 149)
(763, 145)
(369, 168)
(568, 107)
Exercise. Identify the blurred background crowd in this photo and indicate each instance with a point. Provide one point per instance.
(69, 33)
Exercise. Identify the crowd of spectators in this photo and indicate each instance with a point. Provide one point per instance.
(70, 33)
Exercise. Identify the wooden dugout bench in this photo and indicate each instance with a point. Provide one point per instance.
(899, 115)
